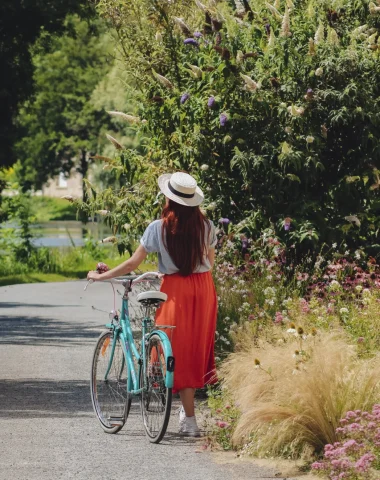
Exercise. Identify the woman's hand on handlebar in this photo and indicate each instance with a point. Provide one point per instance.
(93, 275)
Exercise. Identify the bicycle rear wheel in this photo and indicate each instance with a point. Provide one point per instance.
(156, 399)
(110, 397)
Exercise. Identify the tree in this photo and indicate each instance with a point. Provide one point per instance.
(22, 22)
(61, 126)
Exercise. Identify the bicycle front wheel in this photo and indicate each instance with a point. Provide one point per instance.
(109, 392)
(156, 399)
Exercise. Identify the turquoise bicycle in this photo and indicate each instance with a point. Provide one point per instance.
(121, 370)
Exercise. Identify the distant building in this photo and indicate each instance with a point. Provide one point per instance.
(64, 184)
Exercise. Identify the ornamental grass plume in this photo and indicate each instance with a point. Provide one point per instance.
(332, 37)
(163, 80)
(295, 411)
(115, 143)
(250, 84)
(196, 71)
(182, 25)
(124, 116)
(285, 27)
(311, 47)
(319, 34)
(274, 11)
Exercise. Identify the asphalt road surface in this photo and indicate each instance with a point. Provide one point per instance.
(47, 426)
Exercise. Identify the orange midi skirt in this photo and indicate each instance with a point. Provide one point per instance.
(192, 308)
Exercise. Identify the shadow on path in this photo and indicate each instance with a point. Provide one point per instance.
(34, 305)
(39, 331)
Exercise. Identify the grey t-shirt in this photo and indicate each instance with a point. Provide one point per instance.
(152, 242)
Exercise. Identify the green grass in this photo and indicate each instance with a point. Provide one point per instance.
(48, 209)
(78, 273)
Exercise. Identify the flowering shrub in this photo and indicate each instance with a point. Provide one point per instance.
(357, 455)
(276, 103)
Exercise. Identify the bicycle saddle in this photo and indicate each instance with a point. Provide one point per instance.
(151, 298)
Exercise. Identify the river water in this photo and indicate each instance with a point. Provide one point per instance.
(67, 233)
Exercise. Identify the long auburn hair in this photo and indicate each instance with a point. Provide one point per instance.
(184, 235)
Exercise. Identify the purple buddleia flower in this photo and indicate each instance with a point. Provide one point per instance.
(197, 34)
(223, 119)
(224, 221)
(191, 41)
(287, 222)
(211, 102)
(267, 28)
(185, 97)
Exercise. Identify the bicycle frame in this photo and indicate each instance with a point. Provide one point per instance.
(123, 331)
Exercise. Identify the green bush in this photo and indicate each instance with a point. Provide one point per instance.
(274, 110)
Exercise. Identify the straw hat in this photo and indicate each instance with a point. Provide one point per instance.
(181, 188)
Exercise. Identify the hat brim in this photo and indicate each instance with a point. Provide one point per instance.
(163, 182)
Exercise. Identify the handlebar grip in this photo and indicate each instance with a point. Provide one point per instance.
(88, 283)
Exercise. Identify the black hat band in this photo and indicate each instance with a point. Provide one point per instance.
(180, 194)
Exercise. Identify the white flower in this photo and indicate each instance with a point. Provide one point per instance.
(309, 139)
(291, 330)
(357, 254)
(204, 167)
(334, 245)
(270, 292)
(319, 72)
(347, 252)
(366, 292)
(269, 277)
(343, 311)
(358, 288)
(319, 34)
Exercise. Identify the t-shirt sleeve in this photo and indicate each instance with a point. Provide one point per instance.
(149, 240)
(212, 237)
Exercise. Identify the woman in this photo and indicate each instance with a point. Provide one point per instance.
(185, 242)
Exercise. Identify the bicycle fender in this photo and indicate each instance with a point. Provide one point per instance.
(169, 377)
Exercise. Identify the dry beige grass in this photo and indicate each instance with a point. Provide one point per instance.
(294, 412)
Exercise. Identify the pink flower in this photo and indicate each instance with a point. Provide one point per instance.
(222, 424)
(364, 462)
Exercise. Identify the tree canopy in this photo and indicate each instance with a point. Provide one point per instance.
(22, 22)
(61, 125)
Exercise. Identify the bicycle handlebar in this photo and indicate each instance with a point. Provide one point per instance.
(133, 279)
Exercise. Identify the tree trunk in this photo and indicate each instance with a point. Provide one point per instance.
(83, 171)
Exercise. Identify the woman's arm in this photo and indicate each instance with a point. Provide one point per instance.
(126, 267)
(211, 256)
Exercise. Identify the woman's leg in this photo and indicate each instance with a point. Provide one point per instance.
(187, 399)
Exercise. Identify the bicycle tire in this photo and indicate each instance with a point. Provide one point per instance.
(156, 398)
(110, 398)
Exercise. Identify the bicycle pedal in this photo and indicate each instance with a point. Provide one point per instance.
(116, 421)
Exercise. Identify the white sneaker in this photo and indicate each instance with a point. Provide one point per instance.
(189, 427)
(181, 416)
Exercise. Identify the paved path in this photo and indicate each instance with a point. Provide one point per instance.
(47, 426)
